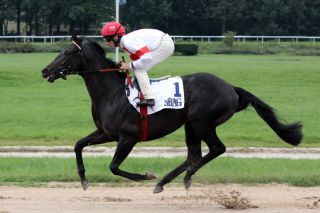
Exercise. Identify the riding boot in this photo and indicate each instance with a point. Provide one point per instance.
(146, 89)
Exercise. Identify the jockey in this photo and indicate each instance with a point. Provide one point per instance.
(146, 47)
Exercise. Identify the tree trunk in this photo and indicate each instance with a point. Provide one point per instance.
(6, 27)
(30, 27)
(223, 23)
(36, 23)
(50, 26)
(58, 29)
(86, 28)
(223, 26)
(18, 7)
(1, 26)
(71, 27)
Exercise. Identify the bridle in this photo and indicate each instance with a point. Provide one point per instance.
(70, 71)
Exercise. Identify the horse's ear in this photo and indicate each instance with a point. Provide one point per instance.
(75, 38)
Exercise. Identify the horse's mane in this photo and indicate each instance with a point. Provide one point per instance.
(100, 55)
(100, 52)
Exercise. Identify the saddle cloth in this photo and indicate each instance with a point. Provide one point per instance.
(168, 92)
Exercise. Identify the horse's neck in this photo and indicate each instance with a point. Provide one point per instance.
(102, 86)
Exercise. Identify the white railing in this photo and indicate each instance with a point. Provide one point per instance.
(209, 39)
(241, 38)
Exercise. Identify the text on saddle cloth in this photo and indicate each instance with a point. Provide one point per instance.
(169, 94)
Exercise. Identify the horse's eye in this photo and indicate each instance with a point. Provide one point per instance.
(67, 52)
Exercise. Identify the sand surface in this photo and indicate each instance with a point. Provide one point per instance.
(69, 197)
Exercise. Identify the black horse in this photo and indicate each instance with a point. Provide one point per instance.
(209, 102)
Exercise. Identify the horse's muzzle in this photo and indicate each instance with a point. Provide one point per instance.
(49, 77)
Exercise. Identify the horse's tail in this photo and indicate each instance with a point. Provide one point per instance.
(290, 133)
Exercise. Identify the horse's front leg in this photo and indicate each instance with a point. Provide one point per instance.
(124, 147)
(97, 137)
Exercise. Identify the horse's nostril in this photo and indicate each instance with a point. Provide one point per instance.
(44, 71)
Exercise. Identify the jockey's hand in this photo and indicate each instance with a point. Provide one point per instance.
(125, 66)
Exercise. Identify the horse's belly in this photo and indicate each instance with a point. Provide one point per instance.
(165, 122)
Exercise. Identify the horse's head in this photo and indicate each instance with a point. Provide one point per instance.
(69, 61)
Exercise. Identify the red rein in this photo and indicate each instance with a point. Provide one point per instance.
(109, 70)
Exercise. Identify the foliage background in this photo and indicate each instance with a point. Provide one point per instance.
(177, 17)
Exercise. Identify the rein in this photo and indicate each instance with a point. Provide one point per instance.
(69, 71)
(109, 69)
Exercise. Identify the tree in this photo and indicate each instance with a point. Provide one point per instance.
(32, 16)
(86, 12)
(4, 15)
(203, 17)
(312, 14)
(223, 11)
(184, 17)
(18, 8)
(53, 13)
(146, 14)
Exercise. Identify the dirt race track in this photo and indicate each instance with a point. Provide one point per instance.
(67, 198)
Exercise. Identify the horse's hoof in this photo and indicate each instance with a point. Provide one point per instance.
(150, 176)
(85, 184)
(187, 183)
(157, 189)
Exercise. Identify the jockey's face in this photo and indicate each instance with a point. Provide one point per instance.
(111, 41)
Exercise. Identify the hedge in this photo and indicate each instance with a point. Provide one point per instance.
(186, 49)
(191, 48)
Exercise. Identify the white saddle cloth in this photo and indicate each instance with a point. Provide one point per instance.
(168, 92)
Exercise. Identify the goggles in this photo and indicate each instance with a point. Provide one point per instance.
(108, 38)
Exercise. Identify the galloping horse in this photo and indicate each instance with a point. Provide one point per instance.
(209, 102)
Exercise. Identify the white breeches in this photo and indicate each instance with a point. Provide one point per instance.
(164, 50)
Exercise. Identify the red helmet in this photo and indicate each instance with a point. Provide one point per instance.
(113, 28)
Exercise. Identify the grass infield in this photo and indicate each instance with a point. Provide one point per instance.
(33, 171)
(34, 112)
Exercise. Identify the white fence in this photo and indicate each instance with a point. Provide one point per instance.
(238, 38)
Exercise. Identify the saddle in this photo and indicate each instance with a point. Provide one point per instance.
(169, 94)
(152, 80)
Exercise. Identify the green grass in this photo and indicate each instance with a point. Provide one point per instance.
(34, 112)
(222, 170)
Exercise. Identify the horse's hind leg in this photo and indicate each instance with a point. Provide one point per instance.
(194, 154)
(215, 146)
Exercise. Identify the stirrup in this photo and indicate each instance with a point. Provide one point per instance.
(146, 102)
